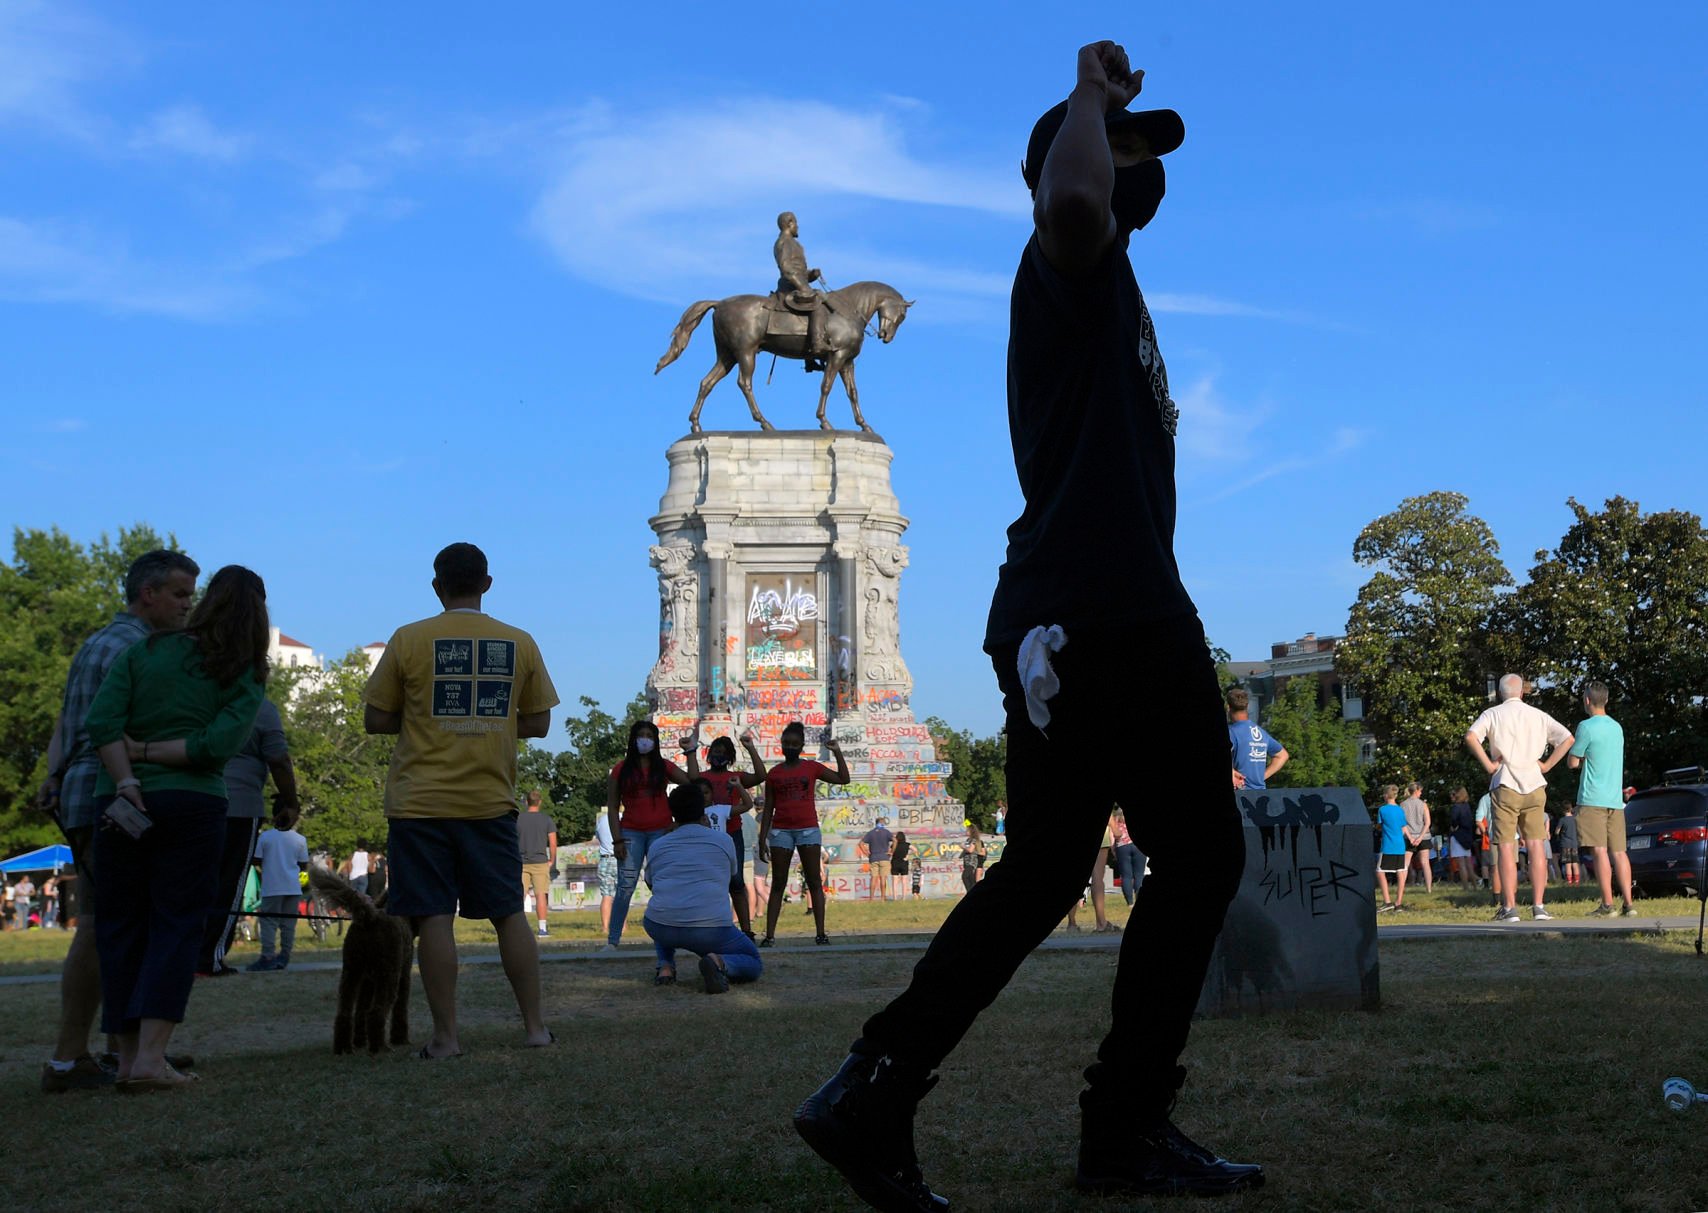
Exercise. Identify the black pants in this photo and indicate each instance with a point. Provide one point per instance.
(1166, 764)
(155, 893)
(234, 863)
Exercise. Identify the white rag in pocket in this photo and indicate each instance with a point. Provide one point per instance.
(1037, 676)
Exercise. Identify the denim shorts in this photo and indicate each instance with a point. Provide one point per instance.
(788, 840)
(449, 865)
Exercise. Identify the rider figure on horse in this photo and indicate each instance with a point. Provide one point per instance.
(794, 287)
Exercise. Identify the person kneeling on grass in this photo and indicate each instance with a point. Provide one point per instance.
(689, 871)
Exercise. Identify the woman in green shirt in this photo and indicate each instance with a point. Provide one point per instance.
(172, 712)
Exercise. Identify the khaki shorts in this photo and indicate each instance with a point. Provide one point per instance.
(537, 880)
(881, 875)
(1599, 827)
(1519, 815)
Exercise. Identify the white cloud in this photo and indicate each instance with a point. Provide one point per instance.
(186, 131)
(665, 204)
(47, 52)
(1229, 448)
(1213, 431)
(61, 263)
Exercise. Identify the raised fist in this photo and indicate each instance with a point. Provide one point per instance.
(1104, 64)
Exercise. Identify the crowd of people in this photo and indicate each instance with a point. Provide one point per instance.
(1518, 744)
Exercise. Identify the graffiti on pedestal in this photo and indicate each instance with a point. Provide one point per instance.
(782, 630)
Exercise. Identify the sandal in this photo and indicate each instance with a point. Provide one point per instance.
(821, 939)
(661, 978)
(766, 942)
(424, 1054)
(168, 1080)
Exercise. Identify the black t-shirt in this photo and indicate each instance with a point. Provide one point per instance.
(532, 831)
(1464, 821)
(1093, 429)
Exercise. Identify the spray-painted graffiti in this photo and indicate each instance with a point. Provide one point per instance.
(1317, 888)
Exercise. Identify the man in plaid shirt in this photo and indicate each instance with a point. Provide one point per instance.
(160, 587)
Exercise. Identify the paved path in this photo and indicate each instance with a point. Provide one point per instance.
(913, 941)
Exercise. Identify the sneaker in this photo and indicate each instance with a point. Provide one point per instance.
(606, 948)
(1540, 914)
(821, 940)
(1629, 911)
(265, 964)
(861, 1123)
(542, 933)
(85, 1074)
(766, 942)
(715, 979)
(1603, 911)
(1161, 1162)
(1505, 915)
(1387, 907)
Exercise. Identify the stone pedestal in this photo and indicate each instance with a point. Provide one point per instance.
(1301, 931)
(779, 561)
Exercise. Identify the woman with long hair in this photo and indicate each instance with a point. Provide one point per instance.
(635, 795)
(174, 709)
(789, 824)
(972, 857)
(729, 799)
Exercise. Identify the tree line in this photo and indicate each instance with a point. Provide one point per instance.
(1621, 599)
(56, 591)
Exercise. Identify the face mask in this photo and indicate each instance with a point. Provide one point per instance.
(1138, 192)
(643, 745)
(791, 752)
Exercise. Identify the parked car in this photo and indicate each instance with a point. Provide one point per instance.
(1667, 832)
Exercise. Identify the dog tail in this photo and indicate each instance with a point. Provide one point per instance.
(343, 894)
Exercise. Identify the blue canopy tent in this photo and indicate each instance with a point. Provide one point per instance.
(47, 859)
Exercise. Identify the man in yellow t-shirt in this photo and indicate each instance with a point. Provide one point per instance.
(459, 689)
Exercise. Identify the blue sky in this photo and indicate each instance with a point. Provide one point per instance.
(321, 287)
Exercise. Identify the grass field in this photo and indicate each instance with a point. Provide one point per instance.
(1507, 1073)
(23, 953)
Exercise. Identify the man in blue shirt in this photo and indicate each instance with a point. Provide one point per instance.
(1598, 747)
(1256, 755)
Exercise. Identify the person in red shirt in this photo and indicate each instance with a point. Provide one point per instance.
(789, 823)
(729, 800)
(638, 785)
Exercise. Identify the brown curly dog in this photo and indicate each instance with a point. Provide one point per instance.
(378, 950)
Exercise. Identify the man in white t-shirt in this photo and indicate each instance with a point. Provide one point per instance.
(282, 855)
(359, 870)
(1517, 735)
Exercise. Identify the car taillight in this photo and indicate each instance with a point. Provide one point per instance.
(1674, 837)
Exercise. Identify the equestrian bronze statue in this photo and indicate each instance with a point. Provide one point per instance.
(824, 329)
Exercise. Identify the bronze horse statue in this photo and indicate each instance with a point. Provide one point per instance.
(748, 325)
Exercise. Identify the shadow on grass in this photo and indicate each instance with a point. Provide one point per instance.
(1535, 1063)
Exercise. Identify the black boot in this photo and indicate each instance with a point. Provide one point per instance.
(1159, 1160)
(861, 1123)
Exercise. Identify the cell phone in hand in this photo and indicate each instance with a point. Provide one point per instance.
(825, 737)
(127, 817)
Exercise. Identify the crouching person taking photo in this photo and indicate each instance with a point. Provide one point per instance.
(689, 871)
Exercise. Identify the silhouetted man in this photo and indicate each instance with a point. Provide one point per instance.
(1093, 432)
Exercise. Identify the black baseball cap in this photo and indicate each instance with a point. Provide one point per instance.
(1163, 130)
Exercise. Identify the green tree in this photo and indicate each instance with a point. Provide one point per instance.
(553, 775)
(1416, 639)
(1322, 749)
(53, 595)
(979, 780)
(1623, 599)
(341, 769)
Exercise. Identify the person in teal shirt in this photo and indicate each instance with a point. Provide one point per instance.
(1391, 819)
(1599, 752)
(178, 706)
